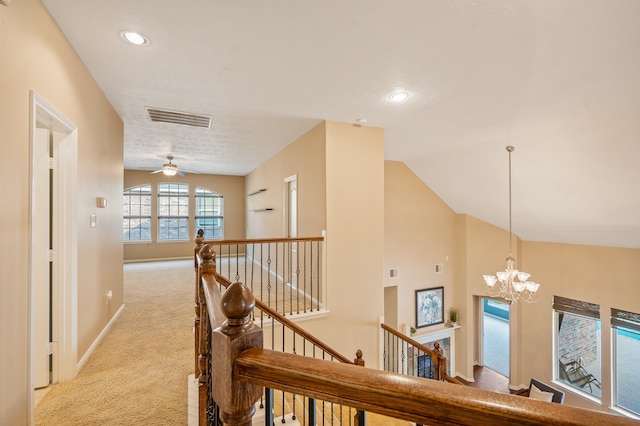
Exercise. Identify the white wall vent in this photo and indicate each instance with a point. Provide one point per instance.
(177, 117)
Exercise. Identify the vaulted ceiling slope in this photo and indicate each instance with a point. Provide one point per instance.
(558, 79)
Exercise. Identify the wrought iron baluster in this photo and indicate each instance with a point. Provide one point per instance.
(268, 412)
(318, 278)
(310, 281)
(269, 275)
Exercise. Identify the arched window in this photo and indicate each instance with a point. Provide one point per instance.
(209, 213)
(173, 212)
(136, 221)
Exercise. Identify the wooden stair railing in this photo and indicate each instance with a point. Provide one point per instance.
(412, 399)
(212, 274)
(284, 273)
(438, 360)
(208, 283)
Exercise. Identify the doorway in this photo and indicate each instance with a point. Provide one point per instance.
(52, 246)
(391, 306)
(291, 226)
(495, 335)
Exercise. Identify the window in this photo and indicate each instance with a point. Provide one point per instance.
(209, 213)
(626, 347)
(173, 212)
(136, 205)
(578, 344)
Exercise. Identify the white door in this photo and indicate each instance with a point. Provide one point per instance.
(41, 228)
(293, 208)
(292, 229)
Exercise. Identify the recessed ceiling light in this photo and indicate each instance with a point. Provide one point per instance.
(399, 96)
(361, 120)
(134, 38)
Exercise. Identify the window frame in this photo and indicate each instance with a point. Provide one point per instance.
(141, 217)
(625, 321)
(201, 192)
(585, 310)
(183, 194)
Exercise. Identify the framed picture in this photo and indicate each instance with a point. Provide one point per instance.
(429, 306)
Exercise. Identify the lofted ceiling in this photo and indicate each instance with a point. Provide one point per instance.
(557, 79)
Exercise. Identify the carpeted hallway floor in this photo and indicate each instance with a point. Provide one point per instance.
(138, 373)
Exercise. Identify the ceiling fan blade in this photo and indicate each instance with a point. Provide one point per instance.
(156, 171)
(181, 173)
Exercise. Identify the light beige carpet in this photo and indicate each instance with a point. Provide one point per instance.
(138, 373)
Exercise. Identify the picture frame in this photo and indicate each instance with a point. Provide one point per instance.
(429, 306)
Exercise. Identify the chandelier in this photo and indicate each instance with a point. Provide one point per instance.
(511, 285)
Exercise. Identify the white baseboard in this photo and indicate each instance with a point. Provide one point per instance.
(192, 392)
(466, 379)
(157, 259)
(518, 387)
(96, 342)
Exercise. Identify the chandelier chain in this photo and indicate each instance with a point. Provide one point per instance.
(511, 285)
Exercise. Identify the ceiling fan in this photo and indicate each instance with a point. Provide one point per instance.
(170, 169)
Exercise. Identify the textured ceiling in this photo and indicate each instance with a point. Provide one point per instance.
(558, 79)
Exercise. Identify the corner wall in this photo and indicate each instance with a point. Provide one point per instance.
(305, 158)
(417, 235)
(340, 169)
(355, 239)
(34, 55)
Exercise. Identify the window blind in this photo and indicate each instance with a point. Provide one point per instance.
(577, 307)
(625, 319)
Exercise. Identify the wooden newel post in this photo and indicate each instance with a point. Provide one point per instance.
(196, 307)
(238, 333)
(199, 240)
(360, 417)
(435, 361)
(208, 267)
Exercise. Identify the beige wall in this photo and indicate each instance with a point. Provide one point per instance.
(602, 275)
(419, 233)
(230, 187)
(355, 238)
(34, 55)
(325, 161)
(483, 248)
(305, 158)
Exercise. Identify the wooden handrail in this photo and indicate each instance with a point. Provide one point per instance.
(260, 240)
(409, 398)
(425, 349)
(281, 319)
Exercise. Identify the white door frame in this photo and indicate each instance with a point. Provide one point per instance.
(65, 229)
(288, 205)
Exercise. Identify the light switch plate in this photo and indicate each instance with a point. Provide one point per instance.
(93, 220)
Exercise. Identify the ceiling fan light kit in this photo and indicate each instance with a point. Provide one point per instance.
(170, 169)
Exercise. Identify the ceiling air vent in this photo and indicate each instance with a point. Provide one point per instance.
(176, 117)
